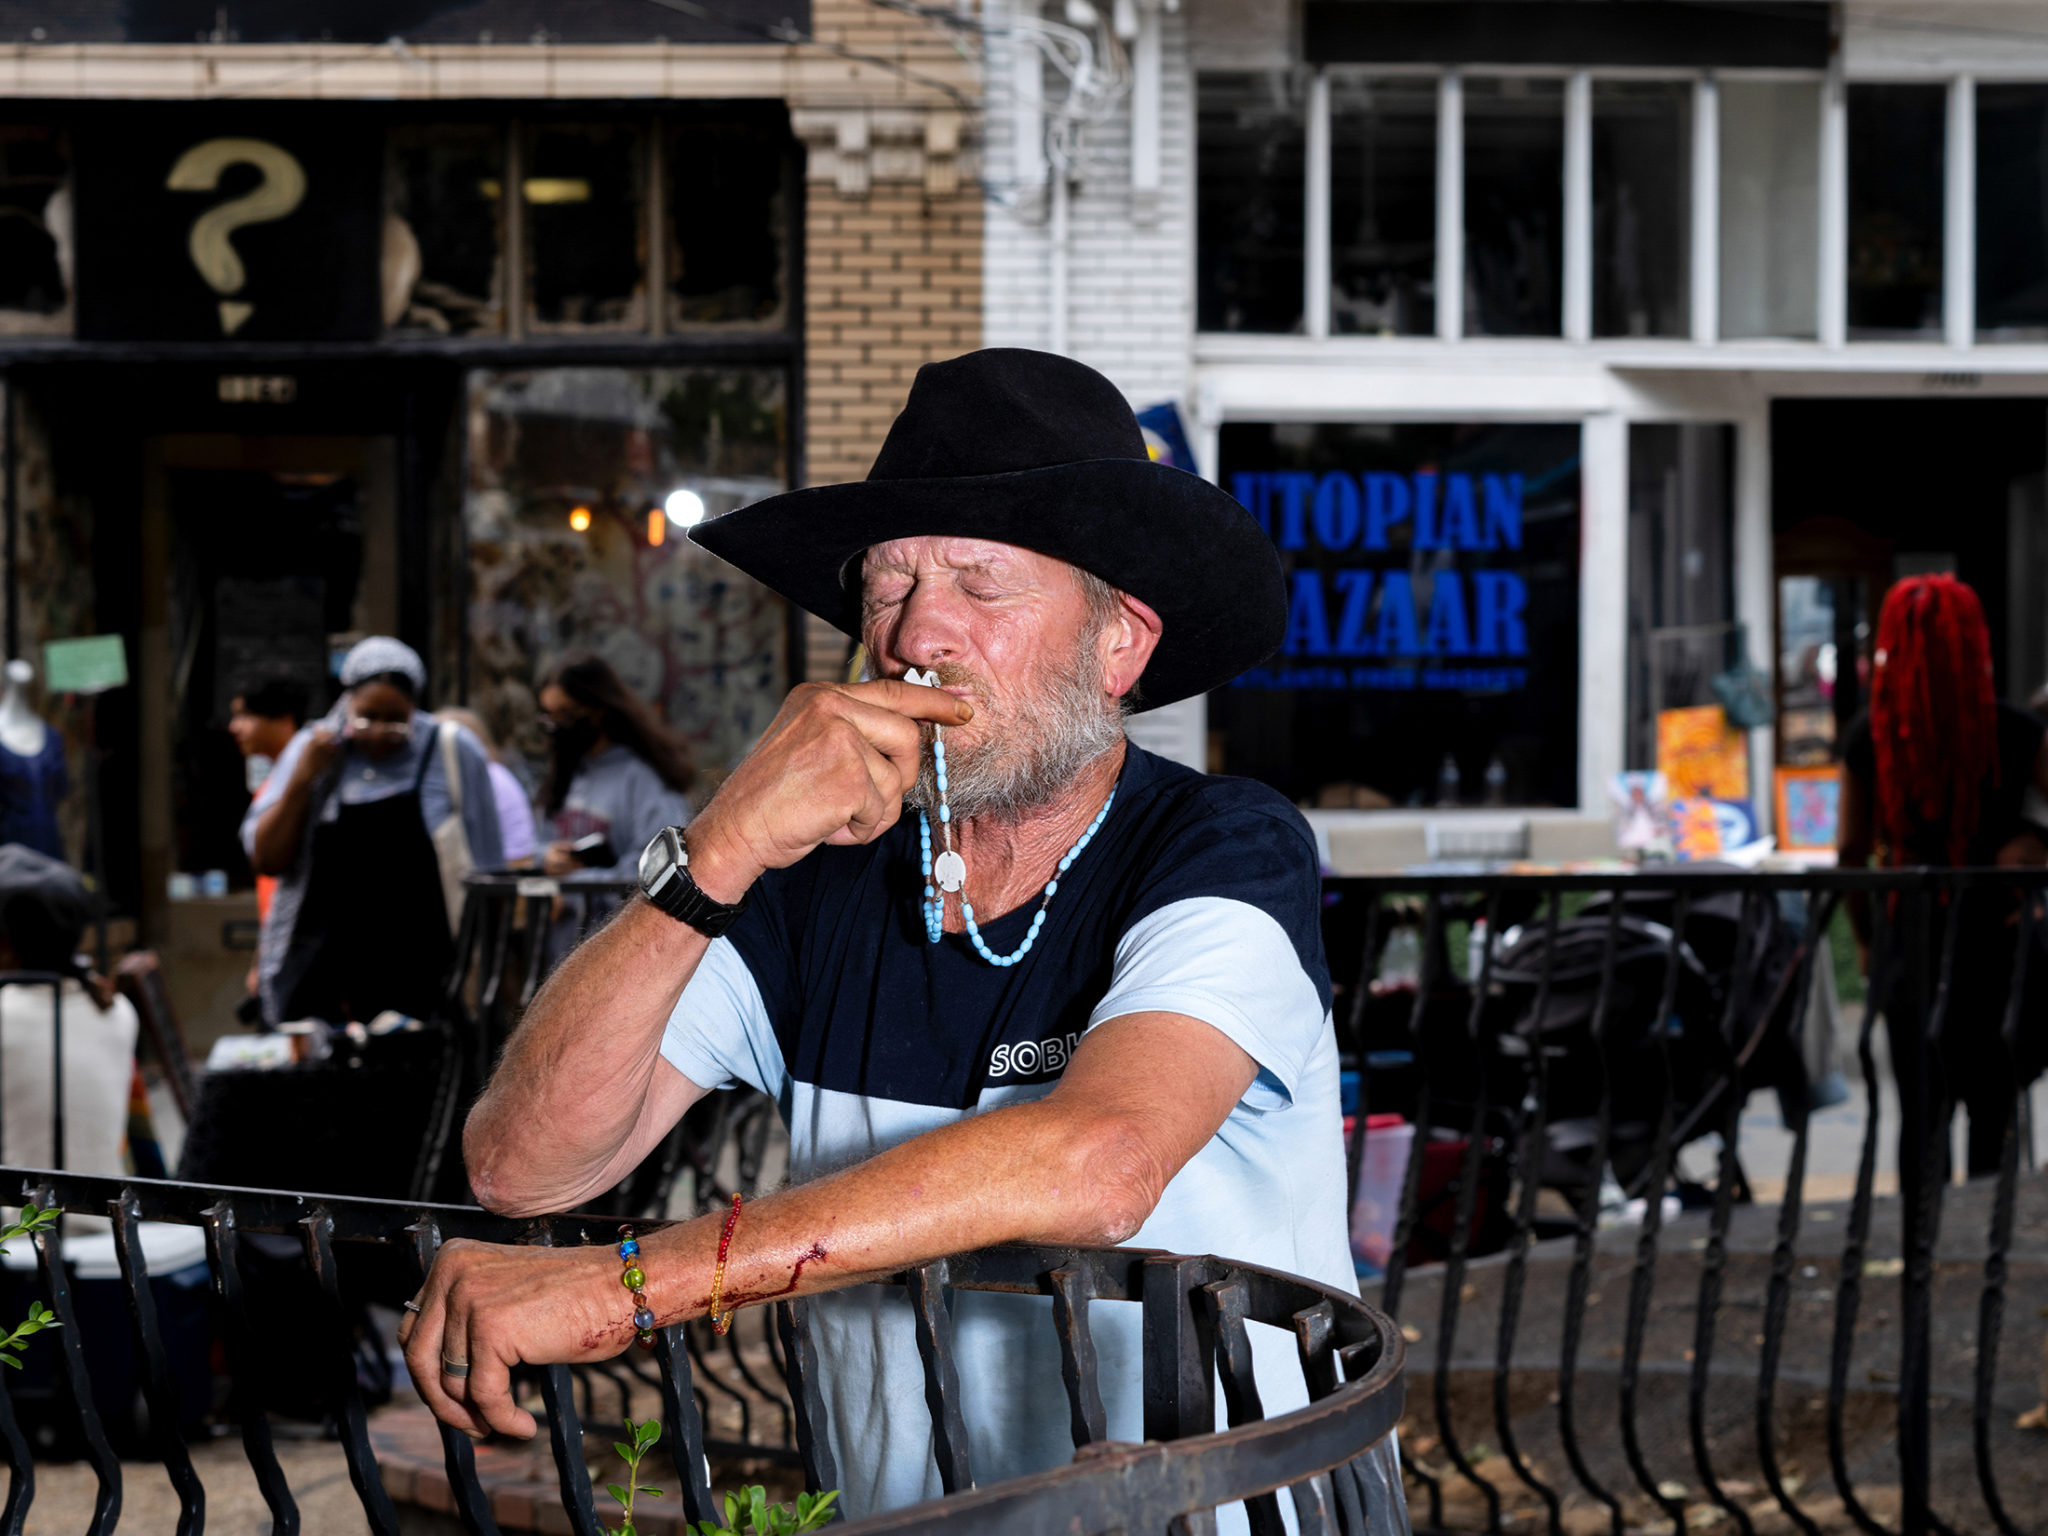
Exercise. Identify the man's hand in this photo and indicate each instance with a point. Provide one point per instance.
(500, 1307)
(832, 767)
(559, 860)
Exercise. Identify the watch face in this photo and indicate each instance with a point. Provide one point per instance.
(658, 861)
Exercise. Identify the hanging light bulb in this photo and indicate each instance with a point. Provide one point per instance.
(579, 519)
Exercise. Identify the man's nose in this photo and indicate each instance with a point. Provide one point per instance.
(929, 627)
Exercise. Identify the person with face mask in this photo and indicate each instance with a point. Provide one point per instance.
(616, 775)
(345, 822)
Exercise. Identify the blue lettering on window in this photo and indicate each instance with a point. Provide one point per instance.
(1296, 486)
(1426, 535)
(1249, 487)
(1386, 503)
(1499, 601)
(1460, 527)
(1448, 632)
(1336, 511)
(1397, 634)
(1356, 588)
(1503, 511)
(1308, 629)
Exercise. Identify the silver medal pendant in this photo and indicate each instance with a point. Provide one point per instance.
(950, 871)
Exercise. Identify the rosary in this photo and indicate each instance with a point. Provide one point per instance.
(948, 872)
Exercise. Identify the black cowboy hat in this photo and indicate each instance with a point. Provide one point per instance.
(1036, 450)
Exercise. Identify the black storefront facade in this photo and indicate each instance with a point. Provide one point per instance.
(282, 374)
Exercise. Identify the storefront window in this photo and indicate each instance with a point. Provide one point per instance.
(1642, 207)
(35, 232)
(1770, 208)
(581, 484)
(1681, 573)
(1432, 648)
(442, 270)
(1514, 207)
(728, 218)
(2012, 211)
(1895, 212)
(586, 243)
(1248, 200)
(1383, 205)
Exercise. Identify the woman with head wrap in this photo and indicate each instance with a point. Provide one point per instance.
(346, 822)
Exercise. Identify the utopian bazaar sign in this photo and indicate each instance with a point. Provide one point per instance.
(1409, 624)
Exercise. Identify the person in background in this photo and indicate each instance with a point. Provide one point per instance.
(43, 914)
(515, 811)
(616, 775)
(263, 720)
(1937, 772)
(346, 823)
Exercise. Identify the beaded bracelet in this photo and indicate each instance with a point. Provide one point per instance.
(635, 1280)
(722, 1321)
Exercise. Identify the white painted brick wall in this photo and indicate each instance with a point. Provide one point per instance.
(1130, 284)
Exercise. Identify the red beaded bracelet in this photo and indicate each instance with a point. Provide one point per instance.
(722, 1321)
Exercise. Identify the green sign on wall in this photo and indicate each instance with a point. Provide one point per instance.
(89, 664)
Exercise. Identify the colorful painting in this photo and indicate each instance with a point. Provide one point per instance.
(1809, 804)
(1701, 754)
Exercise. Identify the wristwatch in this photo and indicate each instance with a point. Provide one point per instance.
(665, 881)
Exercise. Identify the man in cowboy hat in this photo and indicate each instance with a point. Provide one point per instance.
(1074, 994)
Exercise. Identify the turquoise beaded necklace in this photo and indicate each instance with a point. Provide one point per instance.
(949, 871)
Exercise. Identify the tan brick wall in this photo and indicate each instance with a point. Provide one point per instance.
(892, 241)
(893, 282)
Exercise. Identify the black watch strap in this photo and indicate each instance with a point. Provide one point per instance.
(685, 901)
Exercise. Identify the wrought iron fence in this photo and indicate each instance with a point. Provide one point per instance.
(1334, 1458)
(1599, 1026)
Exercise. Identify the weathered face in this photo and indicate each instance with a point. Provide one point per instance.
(1013, 633)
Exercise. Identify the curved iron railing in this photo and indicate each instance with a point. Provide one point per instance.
(1604, 995)
(1334, 1458)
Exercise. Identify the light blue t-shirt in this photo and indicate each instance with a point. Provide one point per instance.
(1199, 896)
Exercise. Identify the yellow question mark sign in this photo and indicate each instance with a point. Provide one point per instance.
(282, 189)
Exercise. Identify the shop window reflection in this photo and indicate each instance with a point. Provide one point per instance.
(705, 644)
(1514, 207)
(1433, 614)
(1895, 209)
(585, 233)
(1770, 208)
(1642, 207)
(1681, 572)
(2012, 212)
(443, 272)
(1248, 195)
(35, 231)
(728, 217)
(1383, 205)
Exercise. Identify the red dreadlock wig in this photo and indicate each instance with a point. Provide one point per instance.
(1933, 714)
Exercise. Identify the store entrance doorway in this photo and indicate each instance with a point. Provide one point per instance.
(1865, 492)
(261, 554)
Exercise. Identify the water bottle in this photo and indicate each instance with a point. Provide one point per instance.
(1496, 781)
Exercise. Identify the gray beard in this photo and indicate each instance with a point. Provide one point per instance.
(1035, 751)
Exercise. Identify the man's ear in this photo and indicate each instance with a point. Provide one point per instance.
(1128, 642)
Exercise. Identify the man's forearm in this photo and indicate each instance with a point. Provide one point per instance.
(1029, 1172)
(563, 1106)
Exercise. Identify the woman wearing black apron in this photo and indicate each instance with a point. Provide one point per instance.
(363, 927)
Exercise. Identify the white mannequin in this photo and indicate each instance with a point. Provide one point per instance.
(22, 730)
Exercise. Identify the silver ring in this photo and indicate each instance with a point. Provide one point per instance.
(455, 1368)
(410, 1306)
